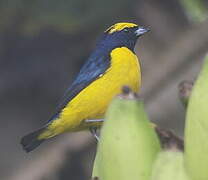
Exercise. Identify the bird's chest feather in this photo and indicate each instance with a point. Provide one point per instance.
(125, 68)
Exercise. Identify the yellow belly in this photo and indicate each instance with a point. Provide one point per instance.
(92, 102)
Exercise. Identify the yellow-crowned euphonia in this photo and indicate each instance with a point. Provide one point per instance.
(112, 64)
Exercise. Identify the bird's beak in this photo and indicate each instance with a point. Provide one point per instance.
(141, 30)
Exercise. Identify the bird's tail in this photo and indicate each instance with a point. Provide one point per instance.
(31, 141)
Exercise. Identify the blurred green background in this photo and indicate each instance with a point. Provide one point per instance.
(44, 43)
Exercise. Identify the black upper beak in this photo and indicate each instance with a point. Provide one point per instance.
(141, 30)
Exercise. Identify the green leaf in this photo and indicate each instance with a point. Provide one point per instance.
(196, 132)
(128, 144)
(169, 166)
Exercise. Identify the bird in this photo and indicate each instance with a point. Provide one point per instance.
(112, 64)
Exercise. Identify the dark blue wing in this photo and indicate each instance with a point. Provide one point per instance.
(92, 69)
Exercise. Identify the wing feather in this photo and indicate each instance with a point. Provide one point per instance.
(91, 70)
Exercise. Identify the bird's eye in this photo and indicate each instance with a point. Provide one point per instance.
(126, 30)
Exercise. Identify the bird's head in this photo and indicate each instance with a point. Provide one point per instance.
(122, 34)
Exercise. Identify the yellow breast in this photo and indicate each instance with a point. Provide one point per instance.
(92, 102)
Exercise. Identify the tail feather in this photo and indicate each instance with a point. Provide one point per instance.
(31, 141)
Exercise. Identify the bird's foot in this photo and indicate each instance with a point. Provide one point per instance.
(93, 131)
(94, 120)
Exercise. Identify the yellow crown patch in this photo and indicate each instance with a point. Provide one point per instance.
(120, 27)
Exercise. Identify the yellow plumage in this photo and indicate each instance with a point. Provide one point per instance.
(120, 27)
(92, 102)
